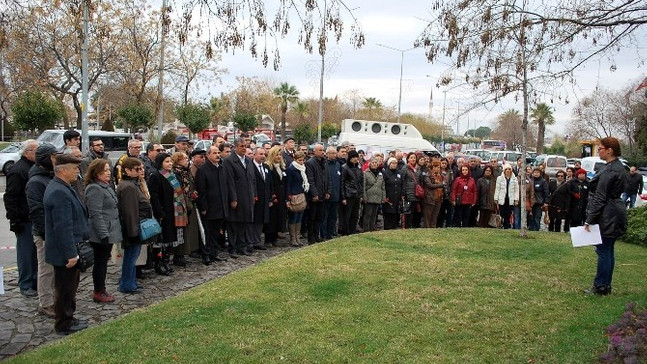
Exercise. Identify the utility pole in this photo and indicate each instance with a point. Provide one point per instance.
(85, 140)
(160, 82)
(402, 51)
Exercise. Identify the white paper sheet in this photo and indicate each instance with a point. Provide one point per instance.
(1, 280)
(581, 237)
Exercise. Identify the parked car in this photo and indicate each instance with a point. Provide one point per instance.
(506, 156)
(9, 156)
(202, 144)
(571, 161)
(552, 163)
(115, 143)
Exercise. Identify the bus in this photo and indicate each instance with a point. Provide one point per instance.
(493, 144)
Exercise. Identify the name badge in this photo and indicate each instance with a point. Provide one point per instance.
(465, 188)
(379, 174)
(585, 187)
(398, 175)
(537, 185)
(284, 174)
(338, 173)
(265, 169)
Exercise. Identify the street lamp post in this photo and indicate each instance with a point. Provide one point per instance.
(402, 51)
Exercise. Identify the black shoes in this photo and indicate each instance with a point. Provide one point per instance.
(599, 290)
(206, 260)
(31, 293)
(179, 260)
(162, 269)
(76, 326)
(260, 247)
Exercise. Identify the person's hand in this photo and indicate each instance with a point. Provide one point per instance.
(587, 228)
(343, 202)
(271, 204)
(327, 196)
(72, 262)
(287, 204)
(233, 204)
(315, 198)
(16, 227)
(203, 212)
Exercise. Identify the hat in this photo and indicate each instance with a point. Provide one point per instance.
(67, 159)
(580, 171)
(43, 153)
(198, 151)
(288, 139)
(181, 138)
(361, 152)
(391, 160)
(352, 154)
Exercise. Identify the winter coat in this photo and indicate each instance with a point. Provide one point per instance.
(465, 187)
(393, 190)
(263, 195)
(39, 178)
(374, 191)
(409, 180)
(318, 178)
(278, 211)
(241, 187)
(560, 201)
(633, 183)
(433, 189)
(334, 171)
(542, 195)
(133, 208)
(293, 182)
(89, 157)
(486, 189)
(163, 205)
(103, 213)
(605, 206)
(352, 181)
(211, 185)
(448, 181)
(512, 187)
(579, 197)
(15, 198)
(66, 222)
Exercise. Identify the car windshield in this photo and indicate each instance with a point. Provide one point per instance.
(11, 149)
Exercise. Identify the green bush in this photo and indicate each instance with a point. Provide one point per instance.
(169, 137)
(637, 226)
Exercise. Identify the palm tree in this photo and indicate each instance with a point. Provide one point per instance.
(542, 115)
(287, 94)
(372, 105)
(302, 110)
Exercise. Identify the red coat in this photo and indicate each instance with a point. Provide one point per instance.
(468, 195)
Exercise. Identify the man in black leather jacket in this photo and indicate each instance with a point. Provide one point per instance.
(606, 209)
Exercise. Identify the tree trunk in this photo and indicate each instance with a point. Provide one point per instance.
(79, 110)
(283, 112)
(523, 232)
(541, 130)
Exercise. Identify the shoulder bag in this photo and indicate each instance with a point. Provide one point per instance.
(420, 191)
(149, 228)
(297, 202)
(496, 221)
(86, 255)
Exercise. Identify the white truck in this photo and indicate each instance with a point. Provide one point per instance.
(382, 136)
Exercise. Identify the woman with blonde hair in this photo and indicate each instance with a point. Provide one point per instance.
(276, 166)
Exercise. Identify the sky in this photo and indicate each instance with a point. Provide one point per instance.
(375, 70)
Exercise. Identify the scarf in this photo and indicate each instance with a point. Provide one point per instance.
(302, 169)
(277, 167)
(179, 203)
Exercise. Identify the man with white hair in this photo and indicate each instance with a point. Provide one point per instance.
(15, 201)
(319, 180)
(331, 205)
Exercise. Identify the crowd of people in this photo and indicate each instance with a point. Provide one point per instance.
(233, 199)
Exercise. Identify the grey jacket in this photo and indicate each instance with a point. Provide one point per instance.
(103, 211)
(605, 206)
(374, 190)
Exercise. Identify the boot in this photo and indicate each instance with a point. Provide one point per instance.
(293, 235)
(297, 233)
(166, 259)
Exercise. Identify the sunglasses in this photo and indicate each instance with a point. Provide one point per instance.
(159, 150)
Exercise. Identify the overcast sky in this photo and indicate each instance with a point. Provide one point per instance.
(375, 70)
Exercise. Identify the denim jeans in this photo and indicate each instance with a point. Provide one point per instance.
(295, 217)
(517, 217)
(606, 262)
(632, 199)
(26, 258)
(128, 281)
(534, 221)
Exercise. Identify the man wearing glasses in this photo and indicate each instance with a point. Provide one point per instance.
(96, 151)
(15, 201)
(134, 149)
(152, 150)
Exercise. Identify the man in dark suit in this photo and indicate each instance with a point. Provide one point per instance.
(211, 184)
(263, 200)
(241, 190)
(319, 180)
(66, 224)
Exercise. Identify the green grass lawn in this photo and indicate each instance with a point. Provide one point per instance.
(423, 296)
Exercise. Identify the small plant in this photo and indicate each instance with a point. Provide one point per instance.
(627, 337)
(636, 226)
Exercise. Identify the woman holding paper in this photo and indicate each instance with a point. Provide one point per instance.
(606, 209)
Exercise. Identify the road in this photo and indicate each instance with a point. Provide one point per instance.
(7, 238)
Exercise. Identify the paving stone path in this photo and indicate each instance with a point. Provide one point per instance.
(22, 328)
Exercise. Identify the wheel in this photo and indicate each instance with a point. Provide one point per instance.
(7, 166)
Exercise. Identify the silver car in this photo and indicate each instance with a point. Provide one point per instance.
(9, 156)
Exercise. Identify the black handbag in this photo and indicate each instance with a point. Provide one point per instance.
(86, 255)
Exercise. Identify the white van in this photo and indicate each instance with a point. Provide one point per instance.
(115, 144)
(382, 136)
(552, 163)
(593, 164)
